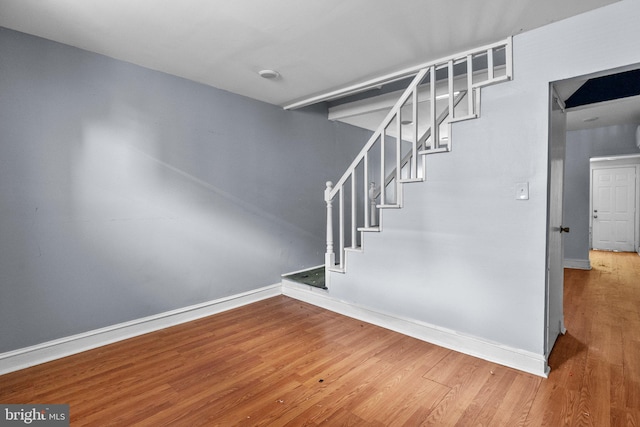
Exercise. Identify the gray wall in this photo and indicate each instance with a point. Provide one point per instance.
(464, 254)
(126, 192)
(581, 146)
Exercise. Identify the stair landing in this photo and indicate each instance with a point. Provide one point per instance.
(313, 277)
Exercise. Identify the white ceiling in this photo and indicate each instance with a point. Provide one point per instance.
(609, 113)
(316, 45)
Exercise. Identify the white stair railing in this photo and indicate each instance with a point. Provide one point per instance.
(417, 125)
(422, 149)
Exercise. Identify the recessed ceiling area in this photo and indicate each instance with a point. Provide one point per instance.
(606, 88)
(606, 99)
(315, 46)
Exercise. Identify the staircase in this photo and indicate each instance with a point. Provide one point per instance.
(418, 125)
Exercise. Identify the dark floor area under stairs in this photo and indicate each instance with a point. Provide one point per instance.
(313, 277)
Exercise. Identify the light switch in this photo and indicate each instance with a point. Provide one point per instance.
(522, 191)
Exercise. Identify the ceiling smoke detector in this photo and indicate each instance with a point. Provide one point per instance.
(269, 74)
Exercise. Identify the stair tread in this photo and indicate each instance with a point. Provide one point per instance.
(376, 228)
(395, 206)
(467, 117)
(312, 277)
(434, 150)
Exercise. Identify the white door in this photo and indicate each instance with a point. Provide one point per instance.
(554, 321)
(613, 203)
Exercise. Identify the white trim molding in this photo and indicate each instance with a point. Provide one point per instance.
(494, 352)
(578, 264)
(56, 349)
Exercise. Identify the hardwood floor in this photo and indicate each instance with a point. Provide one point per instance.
(282, 362)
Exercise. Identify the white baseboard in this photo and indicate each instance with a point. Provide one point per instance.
(514, 358)
(578, 264)
(51, 350)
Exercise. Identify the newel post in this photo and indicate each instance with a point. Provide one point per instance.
(329, 257)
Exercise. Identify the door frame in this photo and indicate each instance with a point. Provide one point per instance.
(611, 162)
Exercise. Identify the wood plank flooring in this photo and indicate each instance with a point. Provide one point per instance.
(281, 362)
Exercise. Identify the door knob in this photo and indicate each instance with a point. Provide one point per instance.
(595, 216)
(564, 229)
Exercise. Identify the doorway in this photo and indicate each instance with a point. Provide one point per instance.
(614, 204)
(586, 121)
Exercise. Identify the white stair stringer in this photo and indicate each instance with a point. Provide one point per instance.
(378, 228)
(418, 125)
